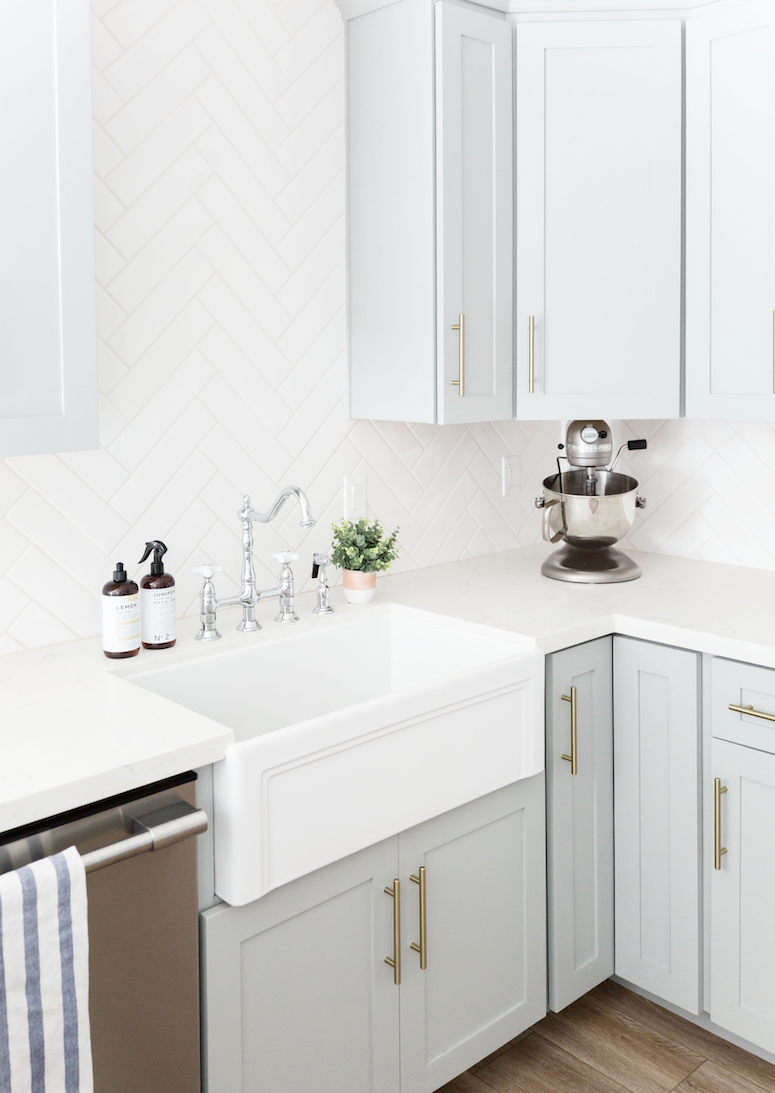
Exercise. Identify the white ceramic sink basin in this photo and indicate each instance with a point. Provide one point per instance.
(351, 728)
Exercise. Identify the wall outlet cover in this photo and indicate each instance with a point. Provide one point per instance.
(512, 476)
(355, 496)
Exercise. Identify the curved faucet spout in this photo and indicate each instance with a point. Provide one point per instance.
(307, 519)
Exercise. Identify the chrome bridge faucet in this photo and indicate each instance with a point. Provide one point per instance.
(249, 595)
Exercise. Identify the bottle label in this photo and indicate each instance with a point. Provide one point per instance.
(120, 623)
(157, 611)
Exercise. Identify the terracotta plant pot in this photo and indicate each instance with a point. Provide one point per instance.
(358, 587)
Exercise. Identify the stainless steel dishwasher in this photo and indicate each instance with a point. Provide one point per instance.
(143, 929)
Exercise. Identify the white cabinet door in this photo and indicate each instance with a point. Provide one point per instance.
(430, 213)
(730, 213)
(474, 201)
(297, 994)
(580, 820)
(48, 397)
(485, 979)
(742, 950)
(657, 819)
(599, 218)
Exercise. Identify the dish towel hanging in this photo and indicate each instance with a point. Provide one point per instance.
(45, 1045)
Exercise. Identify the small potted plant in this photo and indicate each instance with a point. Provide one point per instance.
(362, 550)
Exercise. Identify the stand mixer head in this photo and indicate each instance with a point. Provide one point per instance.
(590, 507)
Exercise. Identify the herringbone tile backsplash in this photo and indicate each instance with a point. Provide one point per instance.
(219, 206)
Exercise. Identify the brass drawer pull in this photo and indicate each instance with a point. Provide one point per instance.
(422, 948)
(531, 339)
(754, 713)
(572, 757)
(718, 849)
(460, 326)
(395, 960)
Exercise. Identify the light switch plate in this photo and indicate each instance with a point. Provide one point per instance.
(355, 496)
(512, 476)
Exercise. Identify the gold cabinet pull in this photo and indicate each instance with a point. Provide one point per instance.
(422, 948)
(460, 326)
(718, 849)
(572, 757)
(531, 336)
(395, 960)
(754, 713)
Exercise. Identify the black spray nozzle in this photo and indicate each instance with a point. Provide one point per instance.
(159, 550)
(119, 573)
(637, 445)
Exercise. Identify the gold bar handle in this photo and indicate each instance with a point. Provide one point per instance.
(460, 326)
(395, 960)
(572, 757)
(754, 713)
(531, 340)
(718, 848)
(422, 948)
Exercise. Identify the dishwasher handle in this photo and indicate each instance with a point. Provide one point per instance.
(153, 831)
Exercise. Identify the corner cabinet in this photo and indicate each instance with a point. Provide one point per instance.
(657, 819)
(730, 213)
(299, 995)
(48, 341)
(430, 223)
(599, 117)
(580, 819)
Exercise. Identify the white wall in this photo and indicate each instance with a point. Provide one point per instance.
(219, 205)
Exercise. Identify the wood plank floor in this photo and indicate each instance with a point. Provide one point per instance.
(614, 1041)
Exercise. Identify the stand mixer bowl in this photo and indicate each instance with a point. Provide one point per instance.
(589, 524)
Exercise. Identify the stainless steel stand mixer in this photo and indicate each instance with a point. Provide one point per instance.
(590, 508)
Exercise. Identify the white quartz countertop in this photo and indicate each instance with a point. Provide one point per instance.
(73, 732)
(726, 610)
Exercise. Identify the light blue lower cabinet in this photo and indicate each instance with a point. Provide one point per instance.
(295, 989)
(657, 819)
(485, 980)
(742, 945)
(580, 820)
(297, 994)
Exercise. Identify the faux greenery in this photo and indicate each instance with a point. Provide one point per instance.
(363, 546)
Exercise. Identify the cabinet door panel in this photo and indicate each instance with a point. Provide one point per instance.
(657, 820)
(474, 213)
(48, 339)
(580, 822)
(743, 894)
(599, 218)
(730, 213)
(485, 978)
(297, 994)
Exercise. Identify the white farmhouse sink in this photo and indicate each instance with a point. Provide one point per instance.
(350, 729)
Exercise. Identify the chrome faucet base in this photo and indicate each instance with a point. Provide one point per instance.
(286, 615)
(322, 610)
(247, 626)
(208, 635)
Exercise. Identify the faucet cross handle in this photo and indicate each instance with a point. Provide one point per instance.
(207, 570)
(285, 556)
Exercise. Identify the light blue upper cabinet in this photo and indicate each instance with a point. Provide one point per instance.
(48, 395)
(598, 328)
(430, 222)
(730, 213)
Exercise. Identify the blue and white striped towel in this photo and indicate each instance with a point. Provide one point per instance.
(45, 1044)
